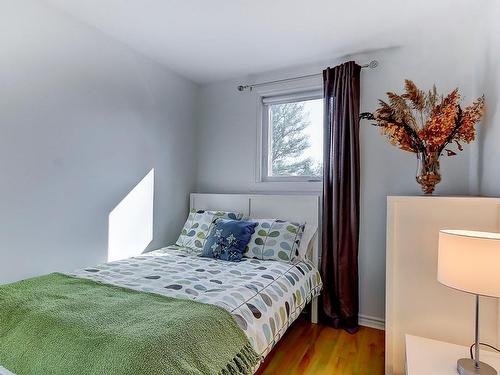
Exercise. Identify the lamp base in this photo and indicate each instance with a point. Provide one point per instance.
(466, 366)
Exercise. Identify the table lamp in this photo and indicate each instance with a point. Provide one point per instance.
(470, 261)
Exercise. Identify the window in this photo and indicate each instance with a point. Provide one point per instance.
(292, 137)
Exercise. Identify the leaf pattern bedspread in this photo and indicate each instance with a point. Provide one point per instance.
(264, 296)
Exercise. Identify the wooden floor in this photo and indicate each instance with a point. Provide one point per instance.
(309, 349)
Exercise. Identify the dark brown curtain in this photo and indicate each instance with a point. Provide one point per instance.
(339, 264)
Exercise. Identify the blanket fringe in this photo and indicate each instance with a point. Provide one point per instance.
(243, 363)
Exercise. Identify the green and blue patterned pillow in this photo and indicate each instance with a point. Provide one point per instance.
(275, 240)
(198, 224)
(227, 239)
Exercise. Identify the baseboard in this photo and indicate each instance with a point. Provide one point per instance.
(371, 321)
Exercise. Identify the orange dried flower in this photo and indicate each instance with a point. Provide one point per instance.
(470, 116)
(423, 123)
(441, 123)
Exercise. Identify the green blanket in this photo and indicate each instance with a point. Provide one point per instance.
(60, 325)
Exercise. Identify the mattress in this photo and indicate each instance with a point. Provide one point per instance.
(263, 296)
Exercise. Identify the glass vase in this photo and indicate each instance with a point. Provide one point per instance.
(428, 173)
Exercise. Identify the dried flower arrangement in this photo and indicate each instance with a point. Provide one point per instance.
(427, 124)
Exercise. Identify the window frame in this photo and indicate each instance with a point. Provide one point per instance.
(264, 162)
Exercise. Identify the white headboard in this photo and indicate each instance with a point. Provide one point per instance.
(300, 208)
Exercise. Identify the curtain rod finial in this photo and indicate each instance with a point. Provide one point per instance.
(373, 64)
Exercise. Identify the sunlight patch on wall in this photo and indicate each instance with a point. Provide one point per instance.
(131, 221)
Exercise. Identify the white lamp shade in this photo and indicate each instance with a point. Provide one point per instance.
(470, 261)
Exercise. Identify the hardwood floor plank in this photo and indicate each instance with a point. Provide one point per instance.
(312, 349)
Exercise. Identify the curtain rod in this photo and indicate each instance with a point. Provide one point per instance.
(372, 65)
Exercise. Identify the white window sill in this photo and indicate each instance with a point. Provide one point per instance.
(289, 186)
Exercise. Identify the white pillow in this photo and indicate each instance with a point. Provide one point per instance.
(308, 234)
(198, 224)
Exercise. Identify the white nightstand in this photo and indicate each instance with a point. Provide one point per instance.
(432, 357)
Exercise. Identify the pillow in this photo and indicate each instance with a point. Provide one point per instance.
(275, 240)
(197, 226)
(307, 236)
(227, 239)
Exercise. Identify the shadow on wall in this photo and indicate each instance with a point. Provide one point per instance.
(489, 84)
(131, 221)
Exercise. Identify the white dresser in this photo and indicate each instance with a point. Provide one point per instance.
(432, 357)
(416, 303)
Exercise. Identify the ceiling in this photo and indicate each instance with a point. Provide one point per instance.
(210, 40)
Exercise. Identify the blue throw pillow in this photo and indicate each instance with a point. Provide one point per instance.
(227, 239)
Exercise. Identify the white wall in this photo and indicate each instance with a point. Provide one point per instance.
(82, 120)
(489, 78)
(228, 126)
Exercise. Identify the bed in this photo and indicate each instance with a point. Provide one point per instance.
(263, 297)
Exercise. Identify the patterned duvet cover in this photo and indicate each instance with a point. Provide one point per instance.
(264, 296)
